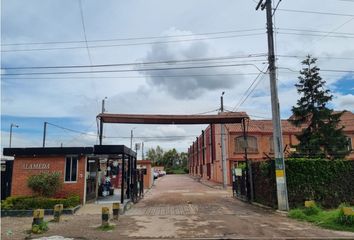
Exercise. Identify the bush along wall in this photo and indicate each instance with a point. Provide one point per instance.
(328, 182)
(30, 203)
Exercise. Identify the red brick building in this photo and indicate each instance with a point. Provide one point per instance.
(81, 169)
(205, 152)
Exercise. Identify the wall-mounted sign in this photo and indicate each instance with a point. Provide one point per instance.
(36, 166)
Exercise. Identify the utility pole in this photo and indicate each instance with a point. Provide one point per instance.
(223, 150)
(282, 193)
(11, 126)
(44, 132)
(142, 150)
(131, 138)
(101, 122)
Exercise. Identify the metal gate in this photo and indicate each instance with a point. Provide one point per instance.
(6, 178)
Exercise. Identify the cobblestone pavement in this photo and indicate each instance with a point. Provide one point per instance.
(181, 208)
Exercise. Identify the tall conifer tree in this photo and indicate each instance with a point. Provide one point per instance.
(321, 136)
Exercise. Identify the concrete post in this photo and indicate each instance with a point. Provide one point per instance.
(115, 208)
(38, 216)
(105, 216)
(58, 209)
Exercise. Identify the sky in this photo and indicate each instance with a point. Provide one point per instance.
(197, 40)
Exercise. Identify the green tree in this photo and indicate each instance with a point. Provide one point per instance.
(321, 136)
(155, 155)
(170, 158)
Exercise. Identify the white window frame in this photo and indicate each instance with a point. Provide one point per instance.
(77, 168)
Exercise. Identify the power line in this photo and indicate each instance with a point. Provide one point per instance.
(132, 70)
(324, 70)
(135, 38)
(71, 130)
(169, 61)
(207, 112)
(313, 31)
(249, 93)
(84, 31)
(248, 89)
(316, 12)
(314, 35)
(152, 76)
(131, 44)
(319, 57)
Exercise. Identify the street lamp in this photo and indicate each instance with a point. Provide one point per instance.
(11, 126)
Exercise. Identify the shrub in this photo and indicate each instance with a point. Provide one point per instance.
(312, 210)
(29, 203)
(297, 214)
(45, 184)
(41, 228)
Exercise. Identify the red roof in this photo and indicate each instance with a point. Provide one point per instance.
(266, 126)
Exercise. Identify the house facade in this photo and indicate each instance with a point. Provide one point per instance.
(205, 152)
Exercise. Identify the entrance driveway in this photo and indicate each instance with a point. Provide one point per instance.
(181, 208)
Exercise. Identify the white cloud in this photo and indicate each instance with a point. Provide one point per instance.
(80, 98)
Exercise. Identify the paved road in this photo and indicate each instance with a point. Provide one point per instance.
(181, 208)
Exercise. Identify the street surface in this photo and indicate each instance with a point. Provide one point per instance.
(182, 208)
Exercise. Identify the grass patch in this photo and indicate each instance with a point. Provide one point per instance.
(324, 218)
(106, 228)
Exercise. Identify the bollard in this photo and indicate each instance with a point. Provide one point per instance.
(38, 216)
(58, 209)
(105, 216)
(115, 208)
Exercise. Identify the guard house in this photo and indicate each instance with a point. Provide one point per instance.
(102, 171)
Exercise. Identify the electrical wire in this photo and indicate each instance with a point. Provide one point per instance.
(238, 104)
(135, 38)
(128, 77)
(315, 12)
(130, 44)
(315, 35)
(169, 61)
(132, 70)
(313, 31)
(319, 57)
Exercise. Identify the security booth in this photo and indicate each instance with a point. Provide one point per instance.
(116, 171)
(93, 173)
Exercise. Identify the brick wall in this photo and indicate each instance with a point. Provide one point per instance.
(56, 164)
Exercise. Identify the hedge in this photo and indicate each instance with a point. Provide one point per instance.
(30, 203)
(328, 182)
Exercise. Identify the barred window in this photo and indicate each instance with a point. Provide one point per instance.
(251, 144)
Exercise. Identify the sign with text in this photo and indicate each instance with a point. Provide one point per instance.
(36, 166)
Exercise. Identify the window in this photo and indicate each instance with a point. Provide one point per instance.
(251, 144)
(71, 169)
